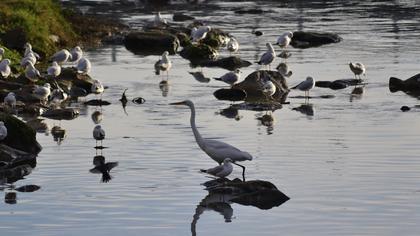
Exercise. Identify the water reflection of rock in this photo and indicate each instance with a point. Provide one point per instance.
(307, 109)
(102, 167)
(39, 125)
(223, 192)
(58, 134)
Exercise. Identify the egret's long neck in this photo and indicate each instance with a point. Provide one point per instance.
(197, 135)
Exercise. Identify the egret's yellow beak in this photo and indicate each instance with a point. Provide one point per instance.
(177, 103)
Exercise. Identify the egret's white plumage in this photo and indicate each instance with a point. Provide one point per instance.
(83, 66)
(357, 68)
(5, 68)
(284, 40)
(221, 171)
(61, 56)
(10, 100)
(3, 131)
(31, 72)
(306, 85)
(200, 33)
(230, 78)
(268, 56)
(54, 70)
(233, 45)
(76, 54)
(216, 150)
(159, 20)
(42, 92)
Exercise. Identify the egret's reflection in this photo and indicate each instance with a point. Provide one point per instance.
(102, 167)
(223, 192)
(306, 108)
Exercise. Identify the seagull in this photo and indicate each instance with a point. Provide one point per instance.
(221, 171)
(61, 56)
(31, 73)
(269, 89)
(159, 20)
(231, 77)
(199, 76)
(164, 64)
(284, 40)
(216, 150)
(28, 50)
(283, 69)
(233, 45)
(1, 52)
(76, 54)
(306, 85)
(200, 33)
(58, 95)
(83, 66)
(5, 68)
(357, 68)
(29, 58)
(3, 131)
(268, 56)
(97, 87)
(98, 134)
(42, 92)
(54, 70)
(10, 100)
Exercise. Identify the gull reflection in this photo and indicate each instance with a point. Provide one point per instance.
(102, 167)
(224, 192)
(164, 87)
(307, 109)
(267, 120)
(97, 117)
(230, 112)
(58, 134)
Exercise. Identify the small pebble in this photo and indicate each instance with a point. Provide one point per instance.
(258, 33)
(405, 108)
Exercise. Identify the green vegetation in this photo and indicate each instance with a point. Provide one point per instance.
(39, 20)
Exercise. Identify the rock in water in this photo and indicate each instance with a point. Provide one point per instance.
(306, 39)
(228, 63)
(151, 43)
(410, 86)
(230, 94)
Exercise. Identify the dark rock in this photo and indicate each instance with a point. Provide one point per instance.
(182, 17)
(151, 43)
(97, 102)
(198, 52)
(20, 136)
(411, 86)
(15, 39)
(257, 33)
(61, 114)
(69, 78)
(10, 198)
(338, 84)
(28, 188)
(306, 39)
(230, 94)
(405, 108)
(216, 38)
(184, 39)
(228, 63)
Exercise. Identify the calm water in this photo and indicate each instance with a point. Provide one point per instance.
(350, 169)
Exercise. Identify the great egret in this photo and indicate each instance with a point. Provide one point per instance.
(231, 77)
(268, 56)
(216, 150)
(221, 171)
(357, 68)
(306, 85)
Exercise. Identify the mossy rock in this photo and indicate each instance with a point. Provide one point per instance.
(307, 39)
(151, 42)
(216, 38)
(198, 52)
(19, 135)
(69, 78)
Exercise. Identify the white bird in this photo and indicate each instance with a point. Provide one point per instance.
(269, 89)
(5, 68)
(216, 150)
(83, 66)
(58, 95)
(76, 54)
(306, 85)
(159, 20)
(268, 56)
(221, 171)
(3, 131)
(284, 40)
(42, 92)
(193, 31)
(97, 87)
(1, 53)
(357, 68)
(164, 64)
(10, 100)
(231, 77)
(98, 134)
(61, 56)
(54, 70)
(28, 50)
(283, 69)
(200, 33)
(31, 73)
(233, 45)
(29, 58)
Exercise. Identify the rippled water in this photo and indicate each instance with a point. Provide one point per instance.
(350, 169)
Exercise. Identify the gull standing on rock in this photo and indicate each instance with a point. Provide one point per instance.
(164, 64)
(357, 68)
(29, 58)
(233, 45)
(5, 68)
(200, 33)
(54, 70)
(83, 66)
(10, 100)
(306, 85)
(268, 56)
(222, 170)
(61, 56)
(268, 87)
(284, 40)
(28, 50)
(31, 73)
(42, 92)
(76, 54)
(3, 131)
(231, 77)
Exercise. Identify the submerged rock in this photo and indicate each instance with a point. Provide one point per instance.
(338, 84)
(306, 39)
(410, 86)
(97, 102)
(151, 42)
(230, 94)
(198, 52)
(228, 63)
(61, 114)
